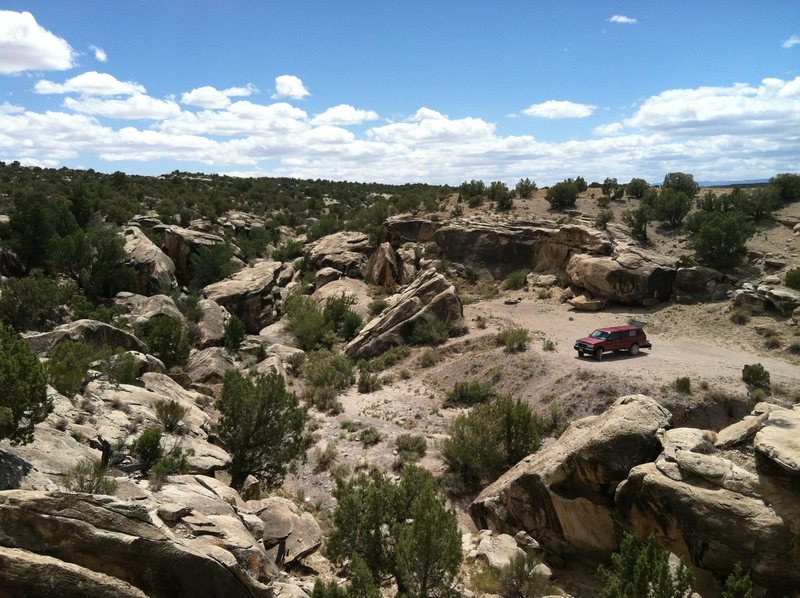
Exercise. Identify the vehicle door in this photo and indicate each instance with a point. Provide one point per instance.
(616, 341)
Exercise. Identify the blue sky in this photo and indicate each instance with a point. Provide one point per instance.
(433, 91)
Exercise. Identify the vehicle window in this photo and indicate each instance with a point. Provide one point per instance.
(599, 334)
(633, 332)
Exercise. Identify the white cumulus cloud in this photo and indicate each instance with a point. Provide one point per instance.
(344, 114)
(212, 98)
(608, 129)
(99, 54)
(137, 106)
(289, 86)
(623, 20)
(27, 46)
(90, 83)
(560, 109)
(793, 41)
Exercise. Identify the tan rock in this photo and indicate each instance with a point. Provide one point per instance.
(180, 243)
(382, 267)
(248, 294)
(344, 251)
(97, 335)
(779, 439)
(154, 269)
(357, 289)
(208, 366)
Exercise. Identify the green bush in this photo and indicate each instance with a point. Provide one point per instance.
(429, 332)
(170, 413)
(672, 206)
(33, 303)
(525, 188)
(377, 307)
(147, 448)
(518, 578)
(473, 192)
(562, 195)
(368, 382)
(326, 374)
(211, 263)
(308, 324)
(788, 186)
(288, 251)
(173, 462)
(683, 384)
(637, 188)
(234, 334)
(603, 218)
(389, 358)
(67, 366)
(23, 399)
(680, 181)
(410, 448)
(261, 424)
(326, 457)
(643, 569)
(792, 279)
(637, 220)
(89, 477)
(738, 584)
(166, 339)
(429, 358)
(119, 368)
(370, 436)
(739, 316)
(469, 393)
(351, 324)
(721, 237)
(490, 439)
(755, 376)
(515, 340)
(515, 280)
(548, 345)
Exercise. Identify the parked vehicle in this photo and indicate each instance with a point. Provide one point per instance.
(613, 338)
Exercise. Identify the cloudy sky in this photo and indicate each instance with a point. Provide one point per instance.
(398, 91)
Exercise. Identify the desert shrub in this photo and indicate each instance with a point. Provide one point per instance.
(211, 263)
(234, 334)
(637, 220)
(307, 323)
(788, 186)
(562, 195)
(401, 531)
(683, 384)
(351, 324)
(33, 302)
(473, 192)
(772, 342)
(637, 188)
(739, 316)
(603, 218)
(119, 368)
(377, 307)
(680, 181)
(326, 374)
(515, 340)
(166, 339)
(429, 332)
(295, 362)
(368, 382)
(515, 280)
(491, 438)
(170, 413)
(525, 188)
(147, 448)
(326, 457)
(410, 448)
(792, 278)
(89, 477)
(794, 348)
(336, 307)
(643, 569)
(429, 358)
(68, 365)
(172, 462)
(480, 322)
(370, 436)
(672, 206)
(288, 251)
(518, 579)
(738, 584)
(720, 238)
(548, 345)
(469, 393)
(261, 425)
(755, 376)
(389, 358)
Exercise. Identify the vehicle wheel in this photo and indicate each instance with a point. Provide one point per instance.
(580, 353)
(598, 354)
(634, 350)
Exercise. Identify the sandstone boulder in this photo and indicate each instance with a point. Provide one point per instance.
(292, 532)
(208, 366)
(696, 284)
(383, 268)
(180, 243)
(586, 303)
(97, 335)
(498, 550)
(633, 276)
(120, 540)
(750, 300)
(784, 299)
(779, 439)
(564, 494)
(142, 309)
(357, 289)
(326, 275)
(430, 297)
(211, 326)
(344, 251)
(248, 294)
(154, 268)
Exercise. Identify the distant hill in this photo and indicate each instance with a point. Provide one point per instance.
(746, 183)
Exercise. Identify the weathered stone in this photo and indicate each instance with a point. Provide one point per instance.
(563, 495)
(740, 431)
(357, 289)
(142, 309)
(97, 335)
(779, 439)
(749, 300)
(498, 550)
(784, 299)
(295, 533)
(248, 294)
(541, 280)
(211, 327)
(696, 284)
(584, 303)
(326, 275)
(344, 251)
(430, 297)
(180, 243)
(277, 333)
(382, 267)
(208, 366)
(120, 540)
(154, 269)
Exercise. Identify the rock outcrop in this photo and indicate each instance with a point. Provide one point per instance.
(248, 294)
(344, 251)
(154, 268)
(430, 297)
(289, 533)
(698, 284)
(97, 335)
(383, 268)
(112, 543)
(208, 366)
(357, 289)
(631, 276)
(180, 243)
(564, 494)
(142, 309)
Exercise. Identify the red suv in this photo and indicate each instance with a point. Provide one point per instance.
(613, 338)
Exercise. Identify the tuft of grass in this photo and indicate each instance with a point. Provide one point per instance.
(326, 457)
(368, 382)
(739, 316)
(469, 393)
(370, 436)
(170, 413)
(410, 448)
(515, 340)
(515, 280)
(429, 358)
(683, 384)
(548, 345)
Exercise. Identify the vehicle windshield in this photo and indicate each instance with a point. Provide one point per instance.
(599, 334)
